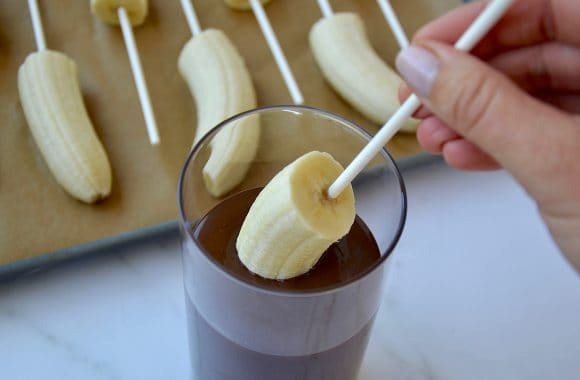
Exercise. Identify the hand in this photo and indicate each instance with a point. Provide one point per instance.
(514, 103)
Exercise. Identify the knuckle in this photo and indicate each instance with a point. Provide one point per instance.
(474, 105)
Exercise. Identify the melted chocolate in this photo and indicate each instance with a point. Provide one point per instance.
(343, 261)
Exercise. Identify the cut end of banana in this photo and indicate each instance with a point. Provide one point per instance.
(232, 152)
(221, 85)
(242, 5)
(293, 222)
(106, 10)
(53, 106)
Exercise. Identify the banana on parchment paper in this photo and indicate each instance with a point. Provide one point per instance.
(54, 109)
(292, 221)
(351, 66)
(221, 86)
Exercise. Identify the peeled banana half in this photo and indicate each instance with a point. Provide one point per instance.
(351, 66)
(221, 86)
(106, 10)
(54, 109)
(292, 221)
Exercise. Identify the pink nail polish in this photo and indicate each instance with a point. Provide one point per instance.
(419, 68)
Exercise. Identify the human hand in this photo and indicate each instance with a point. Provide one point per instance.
(514, 103)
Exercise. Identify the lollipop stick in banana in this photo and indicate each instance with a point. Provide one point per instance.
(292, 221)
(129, 13)
(352, 67)
(471, 37)
(221, 85)
(310, 203)
(56, 115)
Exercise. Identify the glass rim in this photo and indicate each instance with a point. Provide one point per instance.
(186, 226)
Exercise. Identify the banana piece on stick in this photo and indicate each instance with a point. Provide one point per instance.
(351, 66)
(54, 109)
(292, 221)
(106, 10)
(221, 86)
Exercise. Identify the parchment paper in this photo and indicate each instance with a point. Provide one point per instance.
(37, 216)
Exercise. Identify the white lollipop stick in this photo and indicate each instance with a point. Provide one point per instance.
(191, 17)
(277, 51)
(325, 8)
(37, 25)
(394, 23)
(138, 76)
(480, 27)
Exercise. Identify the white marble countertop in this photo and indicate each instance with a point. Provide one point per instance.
(477, 290)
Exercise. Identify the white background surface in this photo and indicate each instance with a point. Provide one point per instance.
(476, 290)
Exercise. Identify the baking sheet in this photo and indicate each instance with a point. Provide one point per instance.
(167, 230)
(37, 217)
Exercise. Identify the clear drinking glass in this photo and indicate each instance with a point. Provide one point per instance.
(245, 332)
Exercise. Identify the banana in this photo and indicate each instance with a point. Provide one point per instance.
(54, 109)
(292, 221)
(221, 86)
(351, 66)
(242, 4)
(106, 10)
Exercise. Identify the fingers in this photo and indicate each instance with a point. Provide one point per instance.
(404, 93)
(549, 66)
(494, 121)
(528, 22)
(565, 102)
(437, 138)
(463, 155)
(551, 72)
(432, 134)
(488, 110)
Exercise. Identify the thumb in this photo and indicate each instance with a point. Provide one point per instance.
(487, 109)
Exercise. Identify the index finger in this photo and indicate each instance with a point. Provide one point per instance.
(527, 22)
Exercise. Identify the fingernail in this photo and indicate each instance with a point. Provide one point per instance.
(419, 69)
